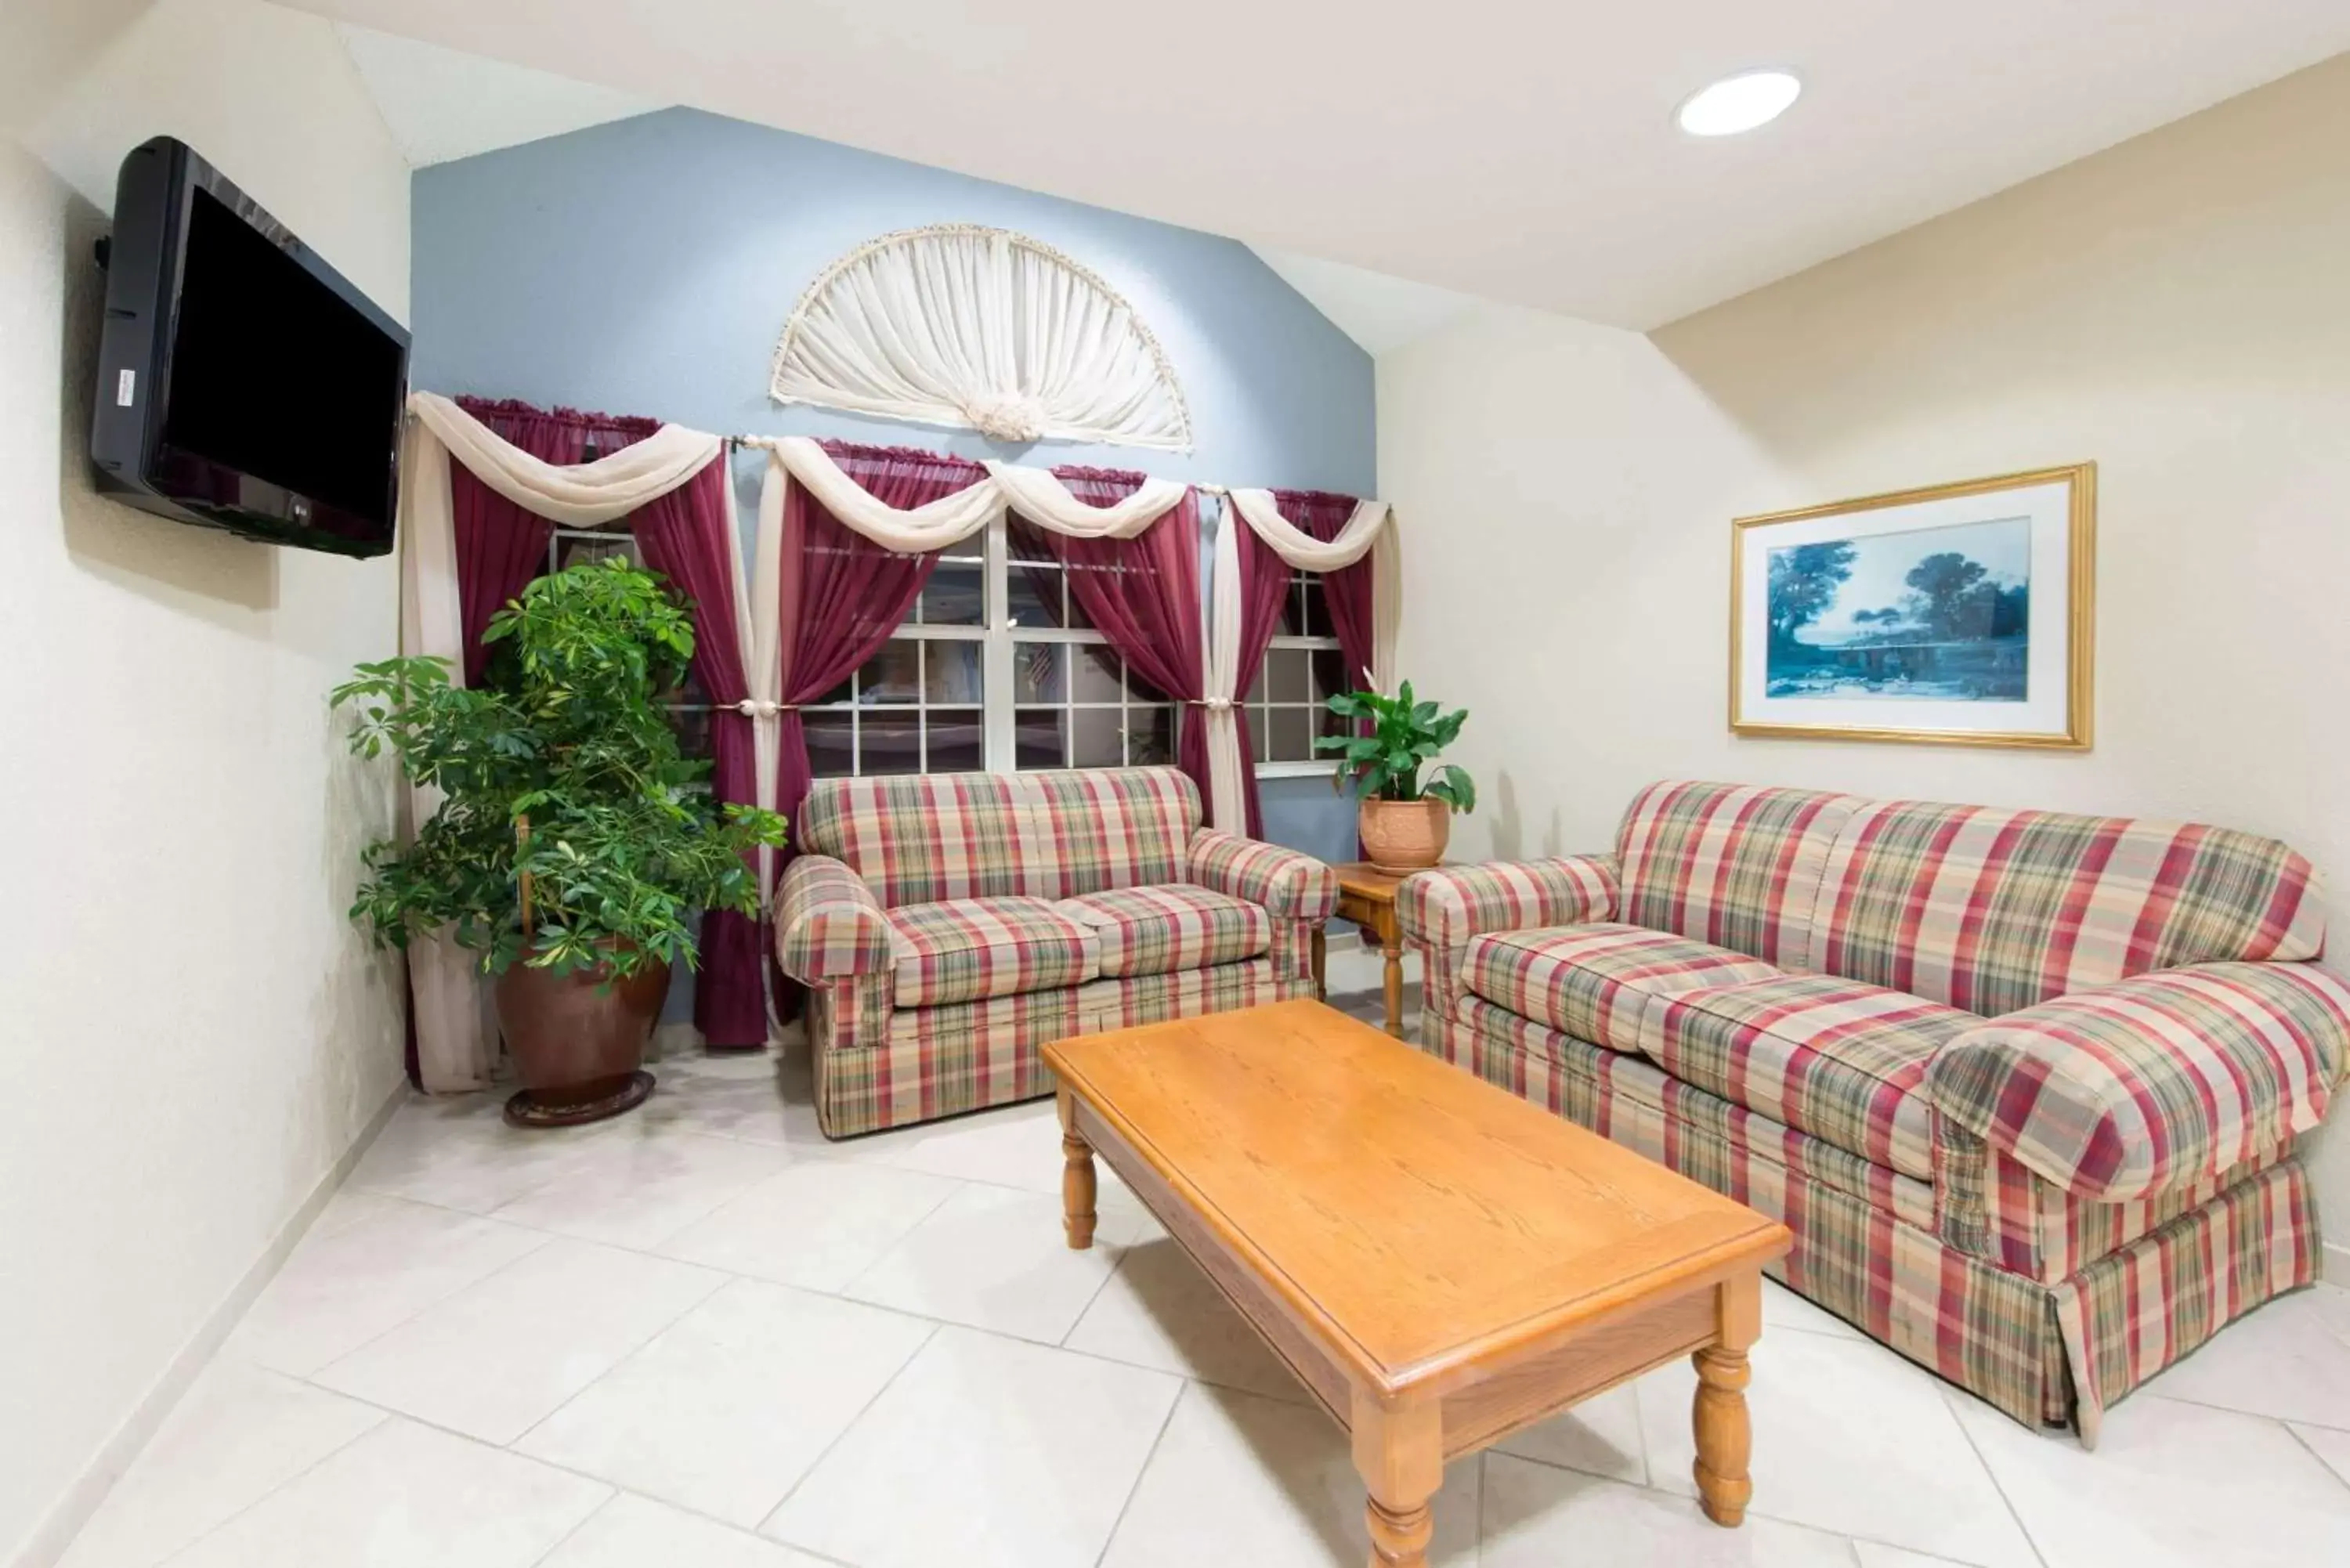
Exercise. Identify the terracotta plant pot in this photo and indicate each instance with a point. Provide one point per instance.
(1405, 834)
(577, 1047)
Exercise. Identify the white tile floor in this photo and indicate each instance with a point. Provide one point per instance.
(702, 1336)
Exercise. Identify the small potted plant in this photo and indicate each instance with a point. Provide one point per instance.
(1405, 820)
(572, 841)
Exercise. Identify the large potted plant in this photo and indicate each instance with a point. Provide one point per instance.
(1405, 819)
(572, 841)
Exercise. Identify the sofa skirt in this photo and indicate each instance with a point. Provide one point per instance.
(933, 1062)
(2046, 1353)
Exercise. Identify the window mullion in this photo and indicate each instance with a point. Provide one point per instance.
(996, 657)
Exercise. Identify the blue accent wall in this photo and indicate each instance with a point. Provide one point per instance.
(647, 266)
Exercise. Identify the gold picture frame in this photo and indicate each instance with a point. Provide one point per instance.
(1959, 659)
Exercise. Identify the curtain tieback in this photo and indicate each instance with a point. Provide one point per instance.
(1213, 704)
(760, 708)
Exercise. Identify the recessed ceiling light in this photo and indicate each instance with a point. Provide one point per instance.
(1739, 103)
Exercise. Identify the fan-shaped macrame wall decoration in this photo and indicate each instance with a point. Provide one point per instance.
(984, 328)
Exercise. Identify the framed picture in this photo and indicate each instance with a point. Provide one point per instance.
(1960, 614)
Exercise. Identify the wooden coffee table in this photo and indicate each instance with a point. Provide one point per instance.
(1440, 1262)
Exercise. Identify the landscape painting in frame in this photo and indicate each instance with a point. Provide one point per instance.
(1959, 614)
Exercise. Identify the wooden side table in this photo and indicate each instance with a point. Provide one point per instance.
(1367, 896)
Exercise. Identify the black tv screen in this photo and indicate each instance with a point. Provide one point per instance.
(244, 382)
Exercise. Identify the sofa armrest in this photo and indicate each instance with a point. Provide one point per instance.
(828, 924)
(1291, 885)
(1445, 908)
(2155, 1082)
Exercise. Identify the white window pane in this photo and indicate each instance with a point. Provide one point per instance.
(1149, 736)
(1329, 674)
(1096, 673)
(957, 741)
(1289, 680)
(1291, 735)
(952, 674)
(955, 596)
(831, 743)
(1095, 738)
(889, 743)
(1039, 672)
(1318, 609)
(1041, 738)
(892, 675)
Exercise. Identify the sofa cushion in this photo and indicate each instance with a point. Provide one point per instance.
(1994, 910)
(1154, 931)
(965, 949)
(1840, 1060)
(920, 839)
(1604, 982)
(1733, 864)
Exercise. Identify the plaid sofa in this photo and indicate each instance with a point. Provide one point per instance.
(947, 925)
(2025, 1085)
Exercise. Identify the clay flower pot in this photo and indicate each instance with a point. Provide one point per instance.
(1405, 834)
(577, 1047)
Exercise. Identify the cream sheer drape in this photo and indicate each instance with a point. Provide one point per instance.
(980, 328)
(1370, 530)
(455, 1048)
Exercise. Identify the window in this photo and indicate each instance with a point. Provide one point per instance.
(920, 705)
(1302, 668)
(996, 669)
(689, 705)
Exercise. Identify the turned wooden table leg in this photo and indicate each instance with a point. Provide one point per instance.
(1725, 1440)
(1391, 948)
(1399, 1453)
(1077, 1183)
(1321, 947)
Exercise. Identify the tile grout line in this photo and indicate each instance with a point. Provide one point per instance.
(585, 1520)
(1183, 1392)
(1751, 1510)
(311, 1376)
(725, 1280)
(2308, 1448)
(2153, 1390)
(201, 1536)
(889, 1383)
(2030, 1541)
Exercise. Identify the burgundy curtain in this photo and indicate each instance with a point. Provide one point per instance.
(683, 537)
(1143, 596)
(843, 594)
(501, 546)
(1264, 584)
(1347, 590)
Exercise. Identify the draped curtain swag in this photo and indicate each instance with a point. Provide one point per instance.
(846, 536)
(454, 1046)
(501, 546)
(984, 328)
(1142, 593)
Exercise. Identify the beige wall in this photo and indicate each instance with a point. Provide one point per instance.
(2177, 308)
(194, 1034)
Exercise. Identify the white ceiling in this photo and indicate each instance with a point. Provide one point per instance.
(1524, 152)
(443, 104)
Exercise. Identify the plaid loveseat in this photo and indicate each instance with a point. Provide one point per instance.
(947, 925)
(2026, 1087)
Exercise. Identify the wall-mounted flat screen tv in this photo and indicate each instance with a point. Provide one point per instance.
(243, 383)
